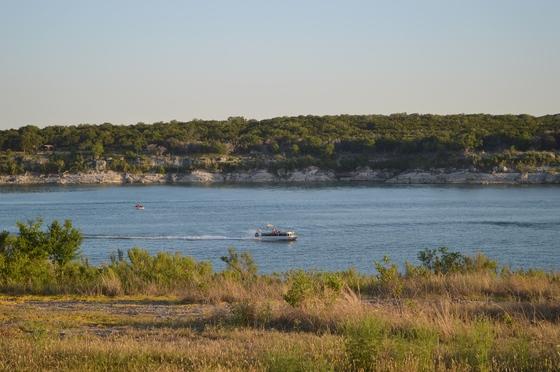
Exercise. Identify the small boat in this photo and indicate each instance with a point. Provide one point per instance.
(272, 234)
(139, 206)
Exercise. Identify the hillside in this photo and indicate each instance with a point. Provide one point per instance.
(344, 143)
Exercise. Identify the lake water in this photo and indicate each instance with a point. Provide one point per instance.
(339, 226)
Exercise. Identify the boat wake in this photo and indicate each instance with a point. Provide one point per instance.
(165, 237)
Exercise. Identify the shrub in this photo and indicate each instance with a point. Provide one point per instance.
(389, 279)
(363, 341)
(441, 261)
(109, 283)
(412, 271)
(240, 266)
(77, 277)
(63, 242)
(22, 273)
(251, 314)
(333, 282)
(163, 271)
(34, 258)
(480, 263)
(301, 287)
(60, 243)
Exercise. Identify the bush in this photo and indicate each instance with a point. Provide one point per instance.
(481, 263)
(441, 261)
(63, 241)
(301, 288)
(240, 266)
(412, 271)
(78, 277)
(163, 271)
(389, 279)
(109, 283)
(60, 243)
(363, 342)
(251, 314)
(333, 282)
(34, 258)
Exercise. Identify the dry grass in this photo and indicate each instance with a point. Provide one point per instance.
(138, 335)
(231, 290)
(482, 285)
(100, 333)
(132, 319)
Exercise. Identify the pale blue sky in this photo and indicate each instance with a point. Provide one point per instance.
(70, 62)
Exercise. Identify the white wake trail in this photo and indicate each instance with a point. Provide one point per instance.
(165, 237)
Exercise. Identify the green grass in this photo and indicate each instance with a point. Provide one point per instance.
(170, 312)
(97, 333)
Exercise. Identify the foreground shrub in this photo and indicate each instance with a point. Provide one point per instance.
(163, 272)
(442, 261)
(109, 283)
(77, 276)
(363, 342)
(305, 287)
(389, 279)
(253, 314)
(301, 288)
(239, 266)
(35, 258)
(60, 243)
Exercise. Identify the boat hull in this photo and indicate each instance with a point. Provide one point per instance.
(275, 235)
(276, 238)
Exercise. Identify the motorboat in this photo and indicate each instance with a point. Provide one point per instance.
(273, 234)
(139, 206)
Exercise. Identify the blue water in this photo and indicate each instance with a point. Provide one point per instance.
(339, 226)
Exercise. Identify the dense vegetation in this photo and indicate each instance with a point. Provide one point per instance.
(449, 312)
(341, 142)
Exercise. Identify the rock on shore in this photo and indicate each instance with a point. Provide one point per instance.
(311, 174)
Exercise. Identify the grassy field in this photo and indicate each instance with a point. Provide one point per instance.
(419, 320)
(171, 312)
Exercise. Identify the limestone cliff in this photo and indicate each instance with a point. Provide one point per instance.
(308, 175)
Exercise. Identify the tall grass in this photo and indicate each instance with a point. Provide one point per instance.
(450, 312)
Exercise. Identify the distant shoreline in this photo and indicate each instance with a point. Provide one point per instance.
(308, 175)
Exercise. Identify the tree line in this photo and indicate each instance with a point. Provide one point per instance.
(324, 139)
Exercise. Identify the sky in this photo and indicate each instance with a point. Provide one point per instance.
(71, 62)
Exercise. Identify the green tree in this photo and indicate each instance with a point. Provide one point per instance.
(441, 261)
(30, 138)
(31, 241)
(97, 149)
(59, 243)
(63, 242)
